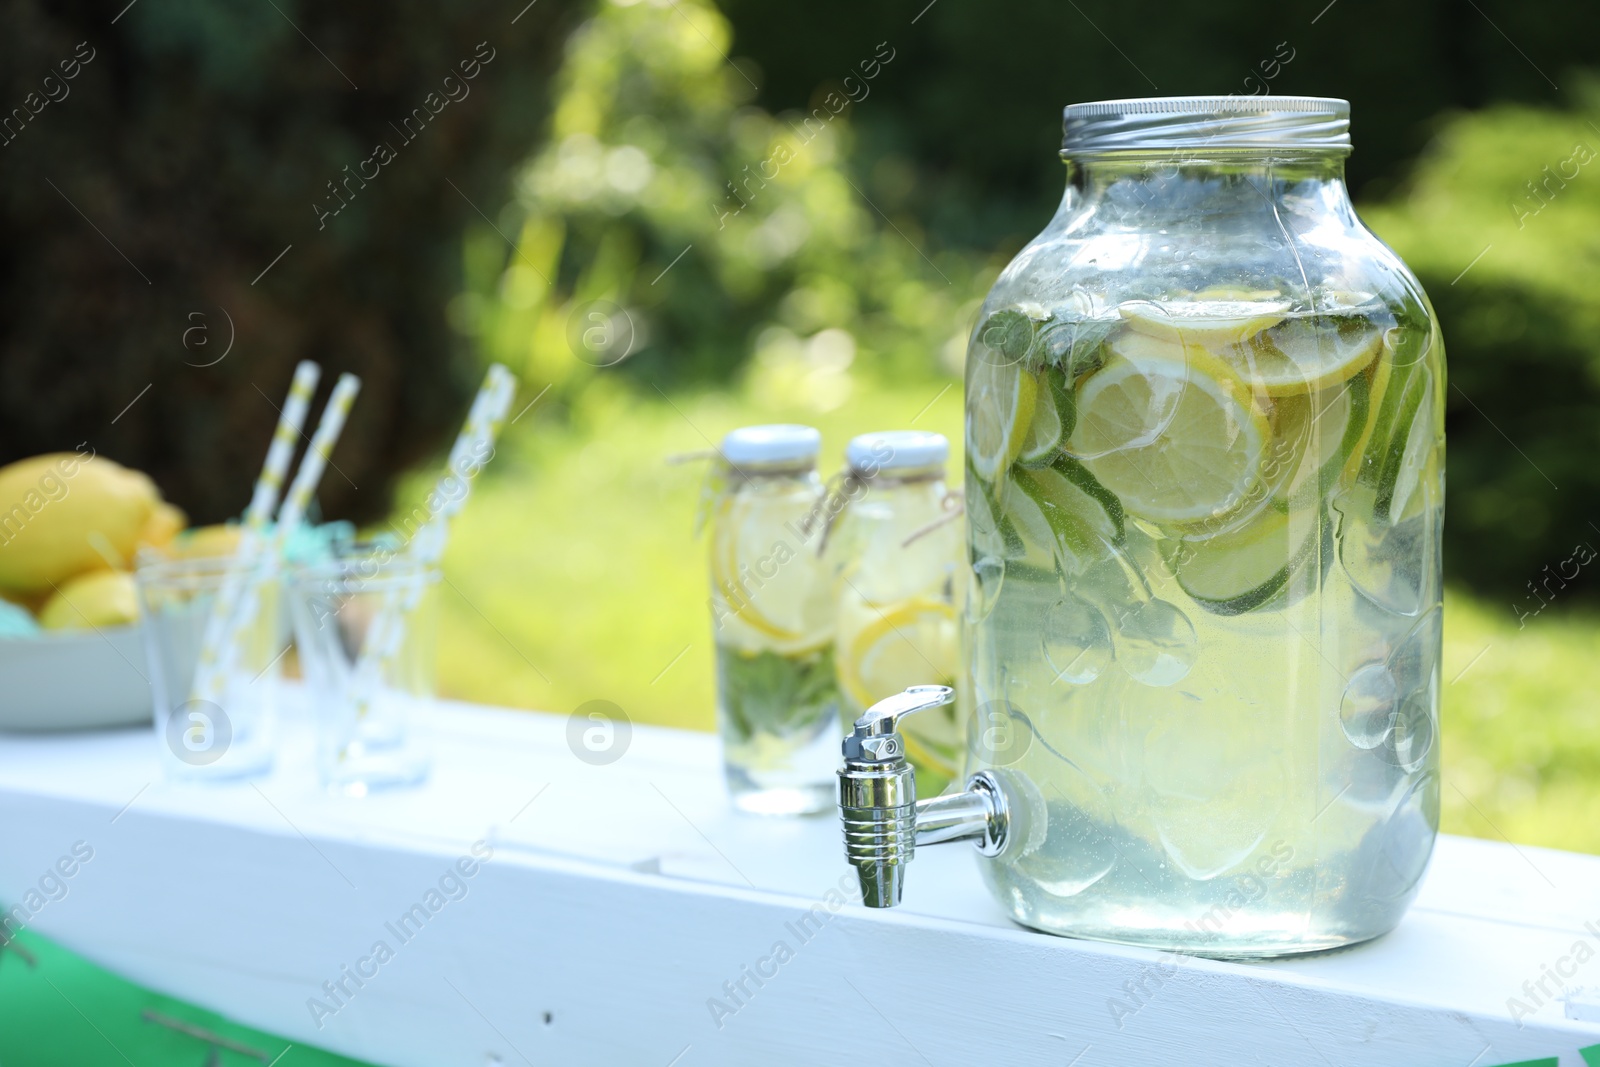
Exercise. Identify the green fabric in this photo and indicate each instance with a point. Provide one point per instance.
(63, 1011)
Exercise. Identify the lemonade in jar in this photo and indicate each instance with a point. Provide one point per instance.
(773, 622)
(896, 555)
(1204, 494)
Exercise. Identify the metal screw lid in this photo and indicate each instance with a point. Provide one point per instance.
(1206, 122)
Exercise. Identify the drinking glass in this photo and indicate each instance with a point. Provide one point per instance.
(221, 731)
(366, 626)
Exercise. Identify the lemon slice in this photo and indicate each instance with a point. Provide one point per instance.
(772, 584)
(910, 643)
(1053, 417)
(1211, 323)
(1000, 406)
(1303, 356)
(1044, 436)
(1175, 439)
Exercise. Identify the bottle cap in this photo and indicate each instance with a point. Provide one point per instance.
(897, 450)
(764, 445)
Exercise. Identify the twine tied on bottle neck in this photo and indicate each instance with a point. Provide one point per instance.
(844, 488)
(720, 473)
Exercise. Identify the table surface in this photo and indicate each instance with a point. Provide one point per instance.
(606, 871)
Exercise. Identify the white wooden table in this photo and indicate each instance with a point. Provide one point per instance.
(621, 900)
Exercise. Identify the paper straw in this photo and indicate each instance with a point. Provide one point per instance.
(315, 462)
(484, 420)
(284, 439)
(313, 465)
(263, 501)
(387, 631)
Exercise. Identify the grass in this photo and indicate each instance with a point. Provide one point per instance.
(574, 574)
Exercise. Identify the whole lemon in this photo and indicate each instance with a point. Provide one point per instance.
(66, 513)
(166, 522)
(100, 598)
(200, 541)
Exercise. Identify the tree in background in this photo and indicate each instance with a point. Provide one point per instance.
(973, 106)
(177, 176)
(676, 231)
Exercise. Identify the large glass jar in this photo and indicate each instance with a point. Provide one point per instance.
(1205, 483)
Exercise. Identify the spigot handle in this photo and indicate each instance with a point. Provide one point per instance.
(872, 740)
(884, 716)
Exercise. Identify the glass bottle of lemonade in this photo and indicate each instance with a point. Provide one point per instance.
(773, 616)
(896, 558)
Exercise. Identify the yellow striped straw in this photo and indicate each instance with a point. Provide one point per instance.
(315, 462)
(386, 634)
(263, 501)
(295, 502)
(484, 421)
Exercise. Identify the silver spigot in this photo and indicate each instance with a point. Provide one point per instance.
(883, 819)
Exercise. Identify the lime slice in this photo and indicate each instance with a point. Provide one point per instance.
(1408, 451)
(1029, 537)
(1418, 467)
(1068, 493)
(1000, 406)
(1377, 391)
(1054, 414)
(1302, 355)
(910, 643)
(1238, 572)
(1211, 323)
(1075, 520)
(1404, 359)
(1176, 440)
(1237, 292)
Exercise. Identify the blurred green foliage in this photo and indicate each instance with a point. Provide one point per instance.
(724, 234)
(1501, 220)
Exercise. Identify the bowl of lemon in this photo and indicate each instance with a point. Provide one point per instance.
(71, 526)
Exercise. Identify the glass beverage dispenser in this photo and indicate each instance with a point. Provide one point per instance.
(1205, 485)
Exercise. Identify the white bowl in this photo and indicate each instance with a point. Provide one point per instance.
(74, 680)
